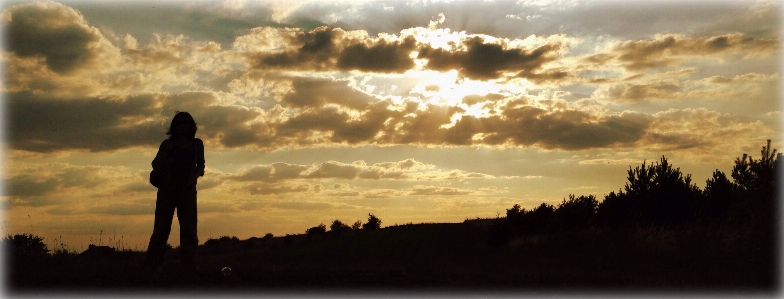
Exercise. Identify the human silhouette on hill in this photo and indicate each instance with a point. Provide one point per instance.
(181, 158)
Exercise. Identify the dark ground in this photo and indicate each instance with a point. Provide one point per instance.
(704, 259)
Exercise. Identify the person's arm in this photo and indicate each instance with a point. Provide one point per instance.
(161, 158)
(200, 159)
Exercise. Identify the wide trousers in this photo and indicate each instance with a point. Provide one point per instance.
(184, 201)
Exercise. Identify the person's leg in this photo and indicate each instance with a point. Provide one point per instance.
(164, 212)
(186, 215)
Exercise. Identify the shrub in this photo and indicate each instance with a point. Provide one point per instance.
(222, 244)
(357, 225)
(540, 219)
(222, 241)
(337, 226)
(25, 246)
(372, 223)
(316, 230)
(577, 211)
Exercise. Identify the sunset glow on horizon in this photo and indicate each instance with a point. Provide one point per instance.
(415, 111)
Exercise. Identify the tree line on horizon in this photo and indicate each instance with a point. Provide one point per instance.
(660, 194)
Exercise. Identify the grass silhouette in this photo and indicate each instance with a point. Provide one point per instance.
(443, 256)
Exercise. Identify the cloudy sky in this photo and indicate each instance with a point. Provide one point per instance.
(415, 111)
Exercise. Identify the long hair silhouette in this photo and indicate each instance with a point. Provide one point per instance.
(172, 131)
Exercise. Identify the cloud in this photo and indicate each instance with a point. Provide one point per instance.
(57, 33)
(40, 124)
(699, 129)
(274, 106)
(313, 50)
(27, 185)
(627, 92)
(438, 191)
(482, 60)
(143, 206)
(307, 93)
(380, 57)
(305, 205)
(527, 126)
(276, 189)
(671, 49)
(55, 177)
(408, 169)
(382, 193)
(325, 49)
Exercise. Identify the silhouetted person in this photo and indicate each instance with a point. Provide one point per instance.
(182, 155)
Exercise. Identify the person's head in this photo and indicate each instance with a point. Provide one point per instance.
(182, 124)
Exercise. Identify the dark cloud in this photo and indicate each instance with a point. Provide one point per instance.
(484, 61)
(316, 50)
(44, 124)
(325, 49)
(27, 185)
(570, 130)
(41, 124)
(52, 31)
(382, 57)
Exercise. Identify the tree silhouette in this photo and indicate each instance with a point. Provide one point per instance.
(372, 223)
(755, 183)
(337, 226)
(316, 230)
(719, 193)
(25, 246)
(577, 212)
(658, 194)
(757, 177)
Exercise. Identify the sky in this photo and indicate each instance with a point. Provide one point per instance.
(414, 111)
